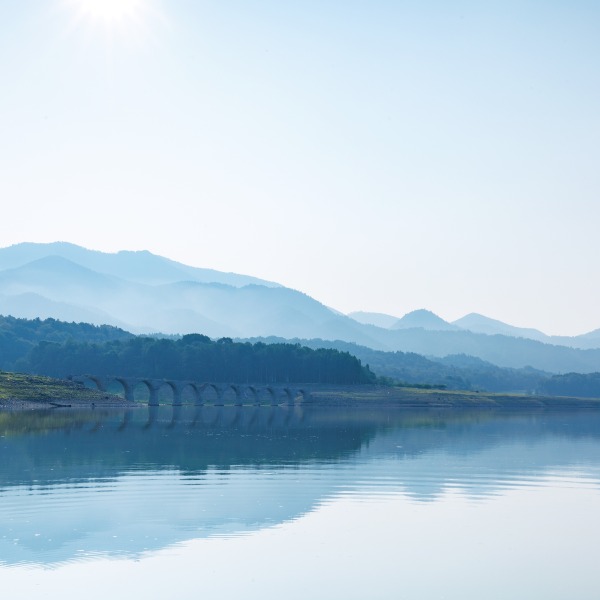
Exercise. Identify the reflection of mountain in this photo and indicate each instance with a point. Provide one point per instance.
(129, 482)
(122, 483)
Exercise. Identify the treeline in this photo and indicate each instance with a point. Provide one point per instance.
(573, 384)
(196, 357)
(457, 372)
(77, 348)
(19, 336)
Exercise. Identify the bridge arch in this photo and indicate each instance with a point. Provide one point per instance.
(188, 392)
(265, 396)
(151, 390)
(197, 393)
(288, 395)
(302, 395)
(275, 395)
(209, 393)
(123, 384)
(164, 385)
(94, 380)
(230, 394)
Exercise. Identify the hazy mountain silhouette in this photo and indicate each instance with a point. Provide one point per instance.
(30, 305)
(373, 318)
(144, 293)
(423, 319)
(482, 324)
(476, 323)
(141, 266)
(593, 337)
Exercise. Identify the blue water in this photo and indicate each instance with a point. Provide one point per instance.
(292, 502)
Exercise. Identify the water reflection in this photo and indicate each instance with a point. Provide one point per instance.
(123, 483)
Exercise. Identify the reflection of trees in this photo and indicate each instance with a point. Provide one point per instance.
(260, 465)
(50, 446)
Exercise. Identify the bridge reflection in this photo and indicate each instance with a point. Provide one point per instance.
(213, 416)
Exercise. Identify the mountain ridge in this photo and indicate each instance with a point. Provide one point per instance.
(423, 319)
(243, 307)
(129, 263)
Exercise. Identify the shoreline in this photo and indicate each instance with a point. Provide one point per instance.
(342, 396)
(405, 397)
(106, 401)
(20, 391)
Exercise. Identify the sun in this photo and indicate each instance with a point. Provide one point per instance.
(109, 11)
(132, 22)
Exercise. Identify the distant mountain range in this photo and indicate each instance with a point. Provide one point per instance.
(145, 293)
(475, 323)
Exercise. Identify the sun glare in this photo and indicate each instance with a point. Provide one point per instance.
(135, 21)
(110, 10)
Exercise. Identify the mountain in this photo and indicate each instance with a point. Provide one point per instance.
(373, 318)
(500, 350)
(475, 323)
(423, 319)
(482, 324)
(592, 338)
(141, 266)
(144, 293)
(454, 372)
(33, 306)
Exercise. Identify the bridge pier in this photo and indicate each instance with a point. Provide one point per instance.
(153, 389)
(127, 388)
(177, 393)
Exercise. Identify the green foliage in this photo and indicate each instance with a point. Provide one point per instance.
(456, 372)
(19, 336)
(573, 384)
(196, 357)
(32, 388)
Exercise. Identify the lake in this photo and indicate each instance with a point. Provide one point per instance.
(300, 502)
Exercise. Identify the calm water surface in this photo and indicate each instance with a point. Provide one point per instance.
(300, 502)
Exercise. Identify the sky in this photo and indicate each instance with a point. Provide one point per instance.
(381, 156)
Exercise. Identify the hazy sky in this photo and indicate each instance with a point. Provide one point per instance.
(381, 155)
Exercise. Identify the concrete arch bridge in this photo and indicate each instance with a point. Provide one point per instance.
(235, 394)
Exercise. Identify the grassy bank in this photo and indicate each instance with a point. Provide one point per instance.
(18, 390)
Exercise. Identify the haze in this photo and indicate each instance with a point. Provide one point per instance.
(381, 156)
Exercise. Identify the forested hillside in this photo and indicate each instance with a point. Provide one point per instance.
(56, 348)
(19, 336)
(197, 357)
(455, 372)
(573, 384)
